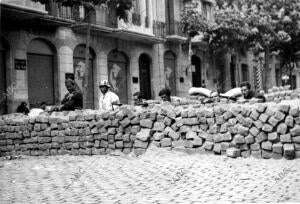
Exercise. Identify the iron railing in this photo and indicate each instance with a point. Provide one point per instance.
(175, 28)
(159, 29)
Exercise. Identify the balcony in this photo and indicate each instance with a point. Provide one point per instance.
(159, 29)
(174, 32)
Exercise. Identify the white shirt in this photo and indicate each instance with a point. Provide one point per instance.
(106, 100)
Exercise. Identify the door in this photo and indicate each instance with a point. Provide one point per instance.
(79, 68)
(245, 72)
(232, 72)
(40, 62)
(3, 92)
(145, 79)
(40, 79)
(169, 72)
(196, 71)
(117, 74)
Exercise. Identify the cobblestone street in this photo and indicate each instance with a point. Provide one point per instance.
(159, 176)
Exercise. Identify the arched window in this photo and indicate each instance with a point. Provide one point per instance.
(79, 69)
(117, 74)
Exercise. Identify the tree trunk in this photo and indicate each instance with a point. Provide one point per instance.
(87, 54)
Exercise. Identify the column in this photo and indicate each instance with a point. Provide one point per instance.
(142, 7)
(101, 74)
(150, 14)
(158, 79)
(65, 65)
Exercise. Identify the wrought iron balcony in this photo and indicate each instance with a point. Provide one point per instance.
(159, 29)
(175, 28)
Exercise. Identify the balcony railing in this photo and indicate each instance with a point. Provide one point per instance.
(159, 29)
(175, 28)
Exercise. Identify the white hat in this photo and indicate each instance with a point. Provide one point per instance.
(104, 83)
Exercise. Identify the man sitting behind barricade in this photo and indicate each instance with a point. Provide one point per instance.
(165, 94)
(247, 93)
(108, 100)
(138, 100)
(73, 99)
(22, 108)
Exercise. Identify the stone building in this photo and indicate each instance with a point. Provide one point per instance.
(41, 45)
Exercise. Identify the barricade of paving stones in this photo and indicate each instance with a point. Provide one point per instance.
(277, 94)
(260, 130)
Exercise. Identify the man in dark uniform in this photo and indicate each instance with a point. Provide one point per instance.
(73, 99)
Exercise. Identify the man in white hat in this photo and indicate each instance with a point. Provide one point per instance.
(108, 100)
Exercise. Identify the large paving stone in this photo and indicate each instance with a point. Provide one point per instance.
(286, 138)
(146, 123)
(277, 148)
(140, 144)
(191, 135)
(273, 137)
(266, 145)
(144, 134)
(166, 142)
(233, 152)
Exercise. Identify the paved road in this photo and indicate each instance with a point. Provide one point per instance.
(159, 176)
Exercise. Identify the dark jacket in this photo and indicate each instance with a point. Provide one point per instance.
(22, 109)
(252, 94)
(72, 101)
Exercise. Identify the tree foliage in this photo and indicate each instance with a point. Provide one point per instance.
(249, 24)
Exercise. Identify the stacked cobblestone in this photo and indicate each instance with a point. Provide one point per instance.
(260, 130)
(277, 94)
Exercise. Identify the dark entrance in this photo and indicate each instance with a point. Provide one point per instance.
(196, 77)
(117, 74)
(40, 73)
(79, 67)
(145, 78)
(232, 72)
(3, 92)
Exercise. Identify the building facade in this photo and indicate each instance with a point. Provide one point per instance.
(42, 45)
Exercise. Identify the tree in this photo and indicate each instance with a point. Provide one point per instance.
(89, 6)
(260, 25)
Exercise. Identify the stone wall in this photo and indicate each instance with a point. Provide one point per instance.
(261, 130)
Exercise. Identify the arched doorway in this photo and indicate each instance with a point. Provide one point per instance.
(3, 92)
(196, 76)
(117, 74)
(79, 67)
(169, 72)
(145, 78)
(40, 58)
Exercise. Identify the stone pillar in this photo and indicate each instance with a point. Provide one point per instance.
(65, 65)
(17, 82)
(154, 14)
(101, 74)
(142, 7)
(158, 79)
(133, 70)
(150, 13)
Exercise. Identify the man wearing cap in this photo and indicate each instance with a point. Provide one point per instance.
(108, 100)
